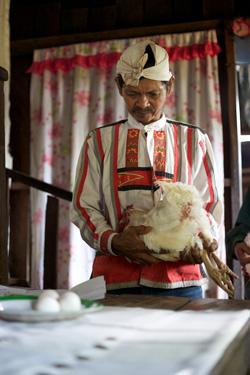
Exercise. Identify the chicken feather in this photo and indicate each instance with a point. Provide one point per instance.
(178, 222)
(177, 219)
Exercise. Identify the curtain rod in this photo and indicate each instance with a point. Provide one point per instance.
(26, 46)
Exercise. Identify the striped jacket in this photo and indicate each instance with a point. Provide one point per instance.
(117, 169)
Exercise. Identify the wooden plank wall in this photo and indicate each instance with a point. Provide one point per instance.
(39, 18)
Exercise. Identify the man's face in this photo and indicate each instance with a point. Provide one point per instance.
(145, 102)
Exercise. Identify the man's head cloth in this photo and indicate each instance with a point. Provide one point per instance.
(133, 60)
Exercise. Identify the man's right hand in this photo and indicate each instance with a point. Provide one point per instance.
(129, 244)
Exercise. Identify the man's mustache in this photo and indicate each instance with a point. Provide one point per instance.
(142, 111)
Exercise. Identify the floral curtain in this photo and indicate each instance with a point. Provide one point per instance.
(73, 91)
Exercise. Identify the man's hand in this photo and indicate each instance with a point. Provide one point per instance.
(129, 244)
(242, 251)
(193, 255)
(209, 246)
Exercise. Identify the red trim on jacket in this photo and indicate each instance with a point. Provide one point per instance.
(209, 178)
(176, 153)
(132, 148)
(104, 240)
(136, 177)
(115, 158)
(189, 154)
(99, 142)
(117, 270)
(78, 204)
(159, 151)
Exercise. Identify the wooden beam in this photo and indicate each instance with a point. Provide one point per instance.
(19, 239)
(232, 161)
(233, 128)
(50, 245)
(228, 90)
(27, 46)
(4, 214)
(39, 184)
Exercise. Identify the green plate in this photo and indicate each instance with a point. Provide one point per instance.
(19, 308)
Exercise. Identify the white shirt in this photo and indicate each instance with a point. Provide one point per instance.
(113, 173)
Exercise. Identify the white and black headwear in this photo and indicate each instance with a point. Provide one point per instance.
(133, 59)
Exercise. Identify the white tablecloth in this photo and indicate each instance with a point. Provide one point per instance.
(120, 341)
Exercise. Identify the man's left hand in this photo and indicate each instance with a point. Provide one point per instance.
(193, 255)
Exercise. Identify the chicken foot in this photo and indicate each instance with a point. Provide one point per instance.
(219, 272)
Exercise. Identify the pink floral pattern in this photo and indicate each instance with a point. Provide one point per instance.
(105, 118)
(82, 98)
(38, 216)
(55, 131)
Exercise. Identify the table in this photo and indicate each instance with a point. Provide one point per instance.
(236, 359)
(175, 303)
(135, 335)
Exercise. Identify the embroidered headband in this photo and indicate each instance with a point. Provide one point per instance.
(132, 61)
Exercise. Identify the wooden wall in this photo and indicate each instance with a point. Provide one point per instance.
(42, 18)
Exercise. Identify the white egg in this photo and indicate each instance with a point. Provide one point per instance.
(49, 293)
(70, 301)
(47, 304)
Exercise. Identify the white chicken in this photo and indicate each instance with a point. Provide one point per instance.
(178, 222)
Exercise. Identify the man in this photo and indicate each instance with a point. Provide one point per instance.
(238, 241)
(119, 167)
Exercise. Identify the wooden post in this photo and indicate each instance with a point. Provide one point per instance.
(4, 215)
(232, 161)
(50, 245)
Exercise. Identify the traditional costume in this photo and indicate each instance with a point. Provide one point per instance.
(119, 167)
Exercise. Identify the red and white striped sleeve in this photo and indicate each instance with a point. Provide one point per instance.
(205, 179)
(86, 208)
